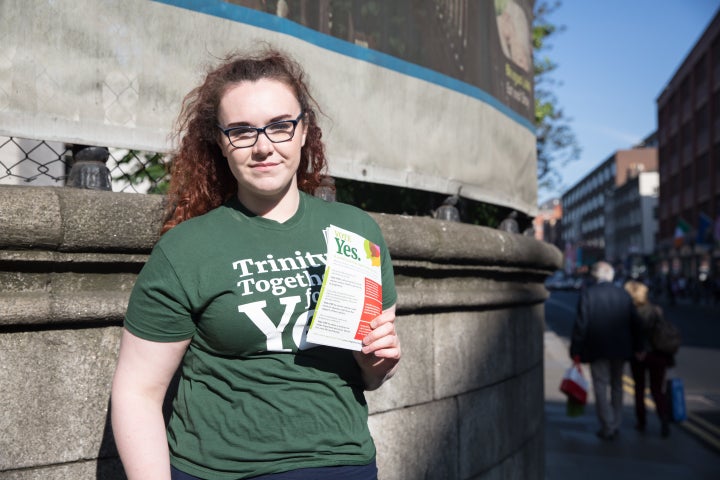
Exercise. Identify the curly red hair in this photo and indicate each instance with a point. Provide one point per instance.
(200, 176)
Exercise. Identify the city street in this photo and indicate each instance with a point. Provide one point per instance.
(696, 362)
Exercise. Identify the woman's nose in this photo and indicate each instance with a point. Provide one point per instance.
(263, 146)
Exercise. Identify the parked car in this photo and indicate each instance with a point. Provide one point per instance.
(560, 280)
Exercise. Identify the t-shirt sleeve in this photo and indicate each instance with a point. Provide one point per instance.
(159, 309)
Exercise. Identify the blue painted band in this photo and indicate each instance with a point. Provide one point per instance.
(236, 13)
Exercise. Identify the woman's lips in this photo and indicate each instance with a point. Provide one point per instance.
(265, 165)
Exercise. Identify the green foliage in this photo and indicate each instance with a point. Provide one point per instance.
(556, 142)
(137, 168)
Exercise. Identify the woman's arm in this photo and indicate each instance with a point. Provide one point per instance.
(380, 353)
(144, 371)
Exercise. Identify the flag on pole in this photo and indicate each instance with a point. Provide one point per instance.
(681, 229)
(703, 231)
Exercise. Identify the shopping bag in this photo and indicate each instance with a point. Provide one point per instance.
(574, 384)
(676, 399)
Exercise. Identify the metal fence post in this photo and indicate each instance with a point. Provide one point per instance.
(89, 170)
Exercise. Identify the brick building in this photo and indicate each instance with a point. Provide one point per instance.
(548, 222)
(689, 160)
(584, 204)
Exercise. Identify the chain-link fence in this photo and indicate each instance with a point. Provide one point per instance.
(47, 163)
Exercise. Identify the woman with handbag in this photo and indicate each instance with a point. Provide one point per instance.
(651, 362)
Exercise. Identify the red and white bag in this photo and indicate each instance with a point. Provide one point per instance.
(574, 384)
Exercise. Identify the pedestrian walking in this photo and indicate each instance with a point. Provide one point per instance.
(649, 362)
(606, 334)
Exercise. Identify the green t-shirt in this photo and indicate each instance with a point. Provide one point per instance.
(254, 397)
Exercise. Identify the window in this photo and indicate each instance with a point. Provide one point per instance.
(701, 80)
(686, 143)
(702, 121)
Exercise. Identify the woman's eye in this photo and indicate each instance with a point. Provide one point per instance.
(280, 127)
(242, 133)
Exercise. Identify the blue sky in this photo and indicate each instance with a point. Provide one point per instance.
(614, 59)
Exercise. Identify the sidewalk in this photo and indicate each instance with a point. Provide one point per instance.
(572, 451)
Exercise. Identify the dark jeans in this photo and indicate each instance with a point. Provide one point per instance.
(653, 365)
(348, 472)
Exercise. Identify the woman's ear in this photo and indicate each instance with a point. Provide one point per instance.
(304, 137)
(220, 140)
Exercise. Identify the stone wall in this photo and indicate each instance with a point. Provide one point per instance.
(466, 404)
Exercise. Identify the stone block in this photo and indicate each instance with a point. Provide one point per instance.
(55, 395)
(471, 350)
(63, 297)
(30, 217)
(106, 221)
(528, 463)
(412, 384)
(526, 405)
(529, 325)
(498, 421)
(484, 431)
(417, 442)
(109, 469)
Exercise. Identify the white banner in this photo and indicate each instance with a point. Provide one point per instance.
(111, 73)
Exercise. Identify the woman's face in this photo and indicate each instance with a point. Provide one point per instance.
(266, 170)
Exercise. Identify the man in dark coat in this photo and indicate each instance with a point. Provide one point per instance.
(606, 334)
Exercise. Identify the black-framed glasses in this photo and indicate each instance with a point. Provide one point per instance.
(276, 132)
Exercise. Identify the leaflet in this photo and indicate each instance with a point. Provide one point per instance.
(351, 292)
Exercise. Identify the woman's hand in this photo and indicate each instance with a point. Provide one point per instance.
(380, 353)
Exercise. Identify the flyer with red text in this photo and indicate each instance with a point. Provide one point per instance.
(351, 292)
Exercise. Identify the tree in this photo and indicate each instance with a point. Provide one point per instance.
(556, 142)
(143, 171)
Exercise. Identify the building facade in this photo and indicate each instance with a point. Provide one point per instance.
(548, 222)
(631, 224)
(689, 161)
(586, 214)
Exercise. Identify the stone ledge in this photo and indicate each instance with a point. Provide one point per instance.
(70, 219)
(49, 298)
(461, 243)
(42, 308)
(417, 294)
(76, 220)
(42, 259)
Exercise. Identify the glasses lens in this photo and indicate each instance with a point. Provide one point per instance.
(242, 137)
(280, 131)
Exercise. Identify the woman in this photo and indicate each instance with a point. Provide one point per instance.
(226, 294)
(650, 361)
